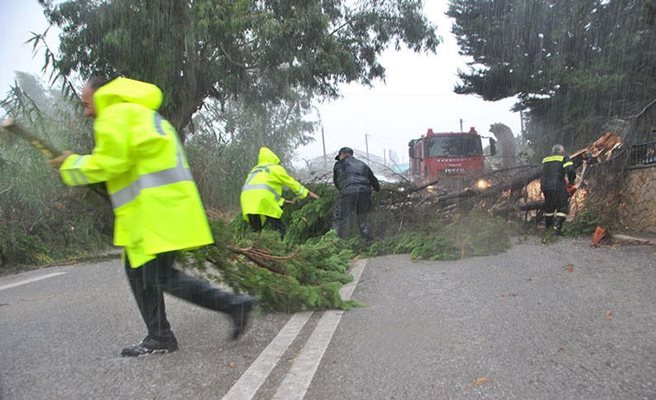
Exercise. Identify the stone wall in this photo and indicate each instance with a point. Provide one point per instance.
(638, 206)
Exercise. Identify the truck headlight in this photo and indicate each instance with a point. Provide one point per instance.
(482, 184)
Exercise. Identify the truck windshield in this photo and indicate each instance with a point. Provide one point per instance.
(454, 146)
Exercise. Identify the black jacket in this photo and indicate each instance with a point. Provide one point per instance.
(554, 169)
(352, 176)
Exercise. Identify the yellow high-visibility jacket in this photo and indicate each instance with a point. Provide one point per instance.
(137, 153)
(262, 191)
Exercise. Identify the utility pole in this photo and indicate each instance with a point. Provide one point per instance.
(385, 157)
(366, 144)
(461, 125)
(323, 141)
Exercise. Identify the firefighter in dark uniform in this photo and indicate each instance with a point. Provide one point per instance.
(555, 168)
(354, 180)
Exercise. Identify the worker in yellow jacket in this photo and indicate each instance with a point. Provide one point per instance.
(156, 204)
(261, 195)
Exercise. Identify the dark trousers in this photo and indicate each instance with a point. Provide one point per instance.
(151, 280)
(255, 221)
(360, 202)
(556, 206)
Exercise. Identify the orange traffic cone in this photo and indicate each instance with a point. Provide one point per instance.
(598, 235)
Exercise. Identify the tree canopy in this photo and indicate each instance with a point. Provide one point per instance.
(220, 49)
(572, 65)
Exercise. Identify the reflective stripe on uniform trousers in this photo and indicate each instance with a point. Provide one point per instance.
(176, 174)
(561, 214)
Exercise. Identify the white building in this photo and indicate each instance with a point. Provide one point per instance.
(320, 169)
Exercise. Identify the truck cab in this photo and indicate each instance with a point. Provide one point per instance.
(446, 156)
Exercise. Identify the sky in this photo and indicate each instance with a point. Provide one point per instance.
(416, 95)
(17, 19)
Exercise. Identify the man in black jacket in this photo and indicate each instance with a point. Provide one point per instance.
(555, 168)
(354, 180)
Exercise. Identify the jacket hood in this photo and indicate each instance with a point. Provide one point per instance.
(124, 90)
(267, 156)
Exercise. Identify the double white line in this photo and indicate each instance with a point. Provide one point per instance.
(298, 379)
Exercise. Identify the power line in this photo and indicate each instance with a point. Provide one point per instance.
(400, 94)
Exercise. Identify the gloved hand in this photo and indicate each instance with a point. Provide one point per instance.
(571, 188)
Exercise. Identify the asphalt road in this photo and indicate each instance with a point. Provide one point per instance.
(60, 338)
(562, 321)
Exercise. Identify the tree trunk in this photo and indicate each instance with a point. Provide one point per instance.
(516, 184)
(181, 109)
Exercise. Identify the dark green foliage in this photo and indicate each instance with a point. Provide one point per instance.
(17, 247)
(572, 64)
(304, 218)
(258, 51)
(310, 218)
(283, 278)
(584, 223)
(247, 72)
(41, 220)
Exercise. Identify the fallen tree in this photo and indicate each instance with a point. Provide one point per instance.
(509, 187)
(283, 277)
(307, 269)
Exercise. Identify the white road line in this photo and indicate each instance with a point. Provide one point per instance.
(251, 380)
(35, 279)
(298, 379)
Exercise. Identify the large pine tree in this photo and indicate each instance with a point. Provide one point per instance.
(572, 64)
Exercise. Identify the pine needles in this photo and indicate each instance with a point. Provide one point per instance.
(283, 277)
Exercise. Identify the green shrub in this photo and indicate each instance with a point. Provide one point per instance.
(584, 223)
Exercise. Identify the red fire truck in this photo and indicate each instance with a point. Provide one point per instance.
(447, 156)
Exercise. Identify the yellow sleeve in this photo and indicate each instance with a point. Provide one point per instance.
(108, 159)
(290, 182)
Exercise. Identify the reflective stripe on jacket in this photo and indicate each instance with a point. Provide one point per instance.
(262, 190)
(554, 169)
(137, 153)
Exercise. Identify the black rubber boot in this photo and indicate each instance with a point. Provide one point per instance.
(548, 221)
(558, 225)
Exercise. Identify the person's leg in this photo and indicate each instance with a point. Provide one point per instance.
(202, 293)
(150, 301)
(548, 209)
(342, 214)
(255, 221)
(362, 206)
(277, 224)
(562, 207)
